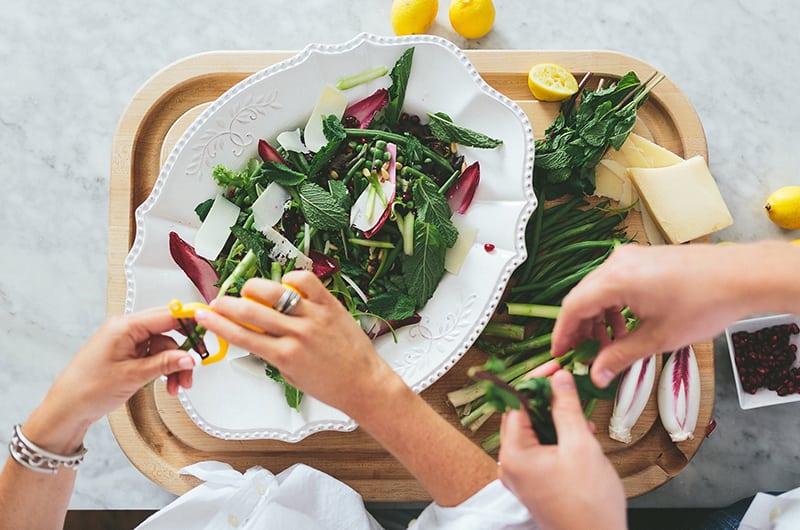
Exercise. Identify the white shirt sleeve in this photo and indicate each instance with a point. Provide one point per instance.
(492, 508)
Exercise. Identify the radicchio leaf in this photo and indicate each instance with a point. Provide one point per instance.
(323, 265)
(364, 110)
(382, 327)
(460, 194)
(198, 269)
(269, 153)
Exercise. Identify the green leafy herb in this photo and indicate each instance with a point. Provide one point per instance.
(320, 208)
(445, 130)
(282, 174)
(423, 270)
(576, 141)
(333, 129)
(432, 207)
(323, 157)
(254, 242)
(292, 394)
(340, 194)
(203, 208)
(397, 91)
(392, 306)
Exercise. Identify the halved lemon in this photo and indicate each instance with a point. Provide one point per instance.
(551, 82)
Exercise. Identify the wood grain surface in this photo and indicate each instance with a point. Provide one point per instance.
(152, 428)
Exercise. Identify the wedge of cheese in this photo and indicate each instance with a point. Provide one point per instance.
(683, 199)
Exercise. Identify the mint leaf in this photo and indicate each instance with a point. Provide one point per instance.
(423, 270)
(323, 157)
(392, 305)
(397, 91)
(254, 242)
(340, 194)
(445, 130)
(203, 208)
(432, 207)
(282, 174)
(321, 210)
(292, 394)
(333, 129)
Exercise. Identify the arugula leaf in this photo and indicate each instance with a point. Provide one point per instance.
(397, 91)
(423, 269)
(392, 305)
(292, 394)
(432, 207)
(254, 242)
(340, 194)
(445, 130)
(202, 209)
(320, 208)
(333, 129)
(282, 174)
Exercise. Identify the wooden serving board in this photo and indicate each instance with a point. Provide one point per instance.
(152, 428)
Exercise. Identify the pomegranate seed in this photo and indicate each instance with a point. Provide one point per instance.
(488, 247)
(765, 358)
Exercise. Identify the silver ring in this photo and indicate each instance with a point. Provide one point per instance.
(287, 302)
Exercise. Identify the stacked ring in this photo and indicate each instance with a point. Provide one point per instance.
(287, 302)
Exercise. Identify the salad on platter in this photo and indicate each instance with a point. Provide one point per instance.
(363, 194)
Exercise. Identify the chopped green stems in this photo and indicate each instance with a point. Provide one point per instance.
(491, 443)
(385, 264)
(475, 414)
(533, 310)
(470, 393)
(449, 182)
(344, 244)
(588, 409)
(397, 138)
(504, 330)
(355, 169)
(408, 170)
(478, 423)
(370, 243)
(408, 234)
(308, 233)
(276, 272)
(351, 81)
(531, 343)
(248, 261)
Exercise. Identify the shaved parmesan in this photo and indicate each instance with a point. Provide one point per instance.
(456, 254)
(331, 101)
(283, 250)
(291, 141)
(216, 228)
(268, 208)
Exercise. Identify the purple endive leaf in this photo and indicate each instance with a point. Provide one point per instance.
(364, 110)
(269, 153)
(198, 269)
(322, 265)
(358, 213)
(460, 194)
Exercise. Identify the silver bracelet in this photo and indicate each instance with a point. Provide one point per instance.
(30, 455)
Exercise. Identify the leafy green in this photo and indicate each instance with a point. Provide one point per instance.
(432, 207)
(576, 141)
(292, 394)
(340, 194)
(397, 91)
(282, 174)
(444, 129)
(392, 306)
(203, 208)
(413, 151)
(333, 129)
(320, 208)
(323, 157)
(423, 269)
(257, 244)
(237, 179)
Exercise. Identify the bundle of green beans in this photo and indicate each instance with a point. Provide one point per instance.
(565, 241)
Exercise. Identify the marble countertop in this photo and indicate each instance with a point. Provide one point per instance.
(69, 72)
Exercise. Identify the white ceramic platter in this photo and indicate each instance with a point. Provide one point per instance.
(233, 399)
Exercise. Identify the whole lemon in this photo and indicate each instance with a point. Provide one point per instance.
(472, 18)
(783, 207)
(412, 17)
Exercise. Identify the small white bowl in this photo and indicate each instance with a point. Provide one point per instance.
(763, 397)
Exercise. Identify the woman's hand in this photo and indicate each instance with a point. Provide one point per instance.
(569, 485)
(680, 294)
(126, 353)
(318, 347)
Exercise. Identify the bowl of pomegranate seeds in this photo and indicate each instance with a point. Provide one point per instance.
(764, 358)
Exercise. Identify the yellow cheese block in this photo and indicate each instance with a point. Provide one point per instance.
(655, 155)
(683, 199)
